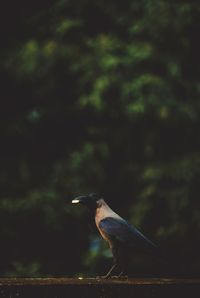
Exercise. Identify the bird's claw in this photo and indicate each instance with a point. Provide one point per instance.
(104, 277)
(113, 277)
(119, 276)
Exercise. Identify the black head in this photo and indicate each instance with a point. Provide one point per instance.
(89, 201)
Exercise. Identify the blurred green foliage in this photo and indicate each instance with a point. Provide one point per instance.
(98, 96)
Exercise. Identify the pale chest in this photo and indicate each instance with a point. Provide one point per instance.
(101, 213)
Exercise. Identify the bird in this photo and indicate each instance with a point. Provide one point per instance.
(122, 237)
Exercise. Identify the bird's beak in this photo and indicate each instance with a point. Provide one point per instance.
(79, 200)
(75, 201)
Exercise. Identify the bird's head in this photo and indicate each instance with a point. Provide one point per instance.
(90, 201)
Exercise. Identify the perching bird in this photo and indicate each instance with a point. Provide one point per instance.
(122, 237)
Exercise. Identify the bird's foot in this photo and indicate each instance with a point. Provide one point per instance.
(122, 275)
(104, 276)
(108, 275)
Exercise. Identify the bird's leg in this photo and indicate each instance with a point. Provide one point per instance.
(121, 258)
(109, 272)
(122, 275)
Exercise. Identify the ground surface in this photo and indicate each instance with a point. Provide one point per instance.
(98, 288)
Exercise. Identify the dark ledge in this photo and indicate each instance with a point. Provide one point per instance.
(95, 281)
(98, 288)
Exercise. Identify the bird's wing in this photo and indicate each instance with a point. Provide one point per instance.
(119, 230)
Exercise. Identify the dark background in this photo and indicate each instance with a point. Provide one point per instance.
(98, 96)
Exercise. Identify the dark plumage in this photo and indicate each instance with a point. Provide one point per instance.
(120, 231)
(122, 237)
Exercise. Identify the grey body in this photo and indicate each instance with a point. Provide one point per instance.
(122, 237)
